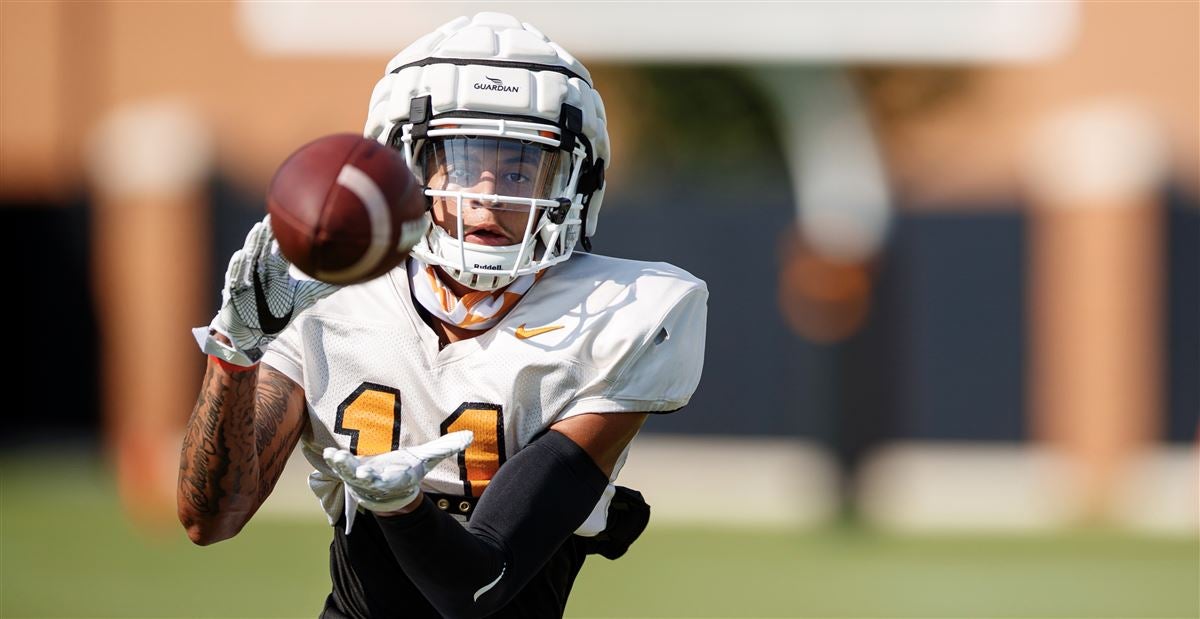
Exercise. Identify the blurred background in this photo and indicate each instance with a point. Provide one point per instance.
(953, 250)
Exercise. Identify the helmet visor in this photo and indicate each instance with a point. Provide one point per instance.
(499, 167)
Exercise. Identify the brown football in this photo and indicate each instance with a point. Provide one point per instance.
(345, 209)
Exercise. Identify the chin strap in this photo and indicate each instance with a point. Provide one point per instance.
(584, 239)
(591, 179)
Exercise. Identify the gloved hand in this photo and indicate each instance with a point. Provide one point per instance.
(390, 481)
(260, 298)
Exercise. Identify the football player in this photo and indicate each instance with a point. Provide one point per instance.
(467, 413)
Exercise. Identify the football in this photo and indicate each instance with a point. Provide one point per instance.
(345, 209)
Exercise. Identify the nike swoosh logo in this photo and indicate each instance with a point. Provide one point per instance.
(269, 324)
(522, 333)
(488, 587)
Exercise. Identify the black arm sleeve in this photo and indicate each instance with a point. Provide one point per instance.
(533, 504)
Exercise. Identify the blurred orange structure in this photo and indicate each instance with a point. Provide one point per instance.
(949, 136)
(1087, 141)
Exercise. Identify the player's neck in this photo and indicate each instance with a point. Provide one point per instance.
(459, 289)
(448, 333)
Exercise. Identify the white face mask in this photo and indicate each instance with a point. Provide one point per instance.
(503, 194)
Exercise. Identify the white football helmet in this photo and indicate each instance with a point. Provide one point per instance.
(490, 82)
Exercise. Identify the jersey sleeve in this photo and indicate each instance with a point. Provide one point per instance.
(283, 353)
(658, 371)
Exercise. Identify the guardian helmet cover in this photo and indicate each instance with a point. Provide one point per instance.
(488, 98)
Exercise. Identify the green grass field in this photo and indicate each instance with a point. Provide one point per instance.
(66, 551)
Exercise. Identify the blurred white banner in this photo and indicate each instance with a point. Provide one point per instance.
(691, 31)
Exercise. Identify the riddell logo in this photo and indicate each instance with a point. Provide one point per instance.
(488, 267)
(496, 84)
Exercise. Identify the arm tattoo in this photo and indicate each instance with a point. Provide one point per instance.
(276, 396)
(237, 440)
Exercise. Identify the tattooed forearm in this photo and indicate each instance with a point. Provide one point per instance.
(241, 431)
(205, 463)
(274, 436)
(274, 391)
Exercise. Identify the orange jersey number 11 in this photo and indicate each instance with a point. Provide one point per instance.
(371, 418)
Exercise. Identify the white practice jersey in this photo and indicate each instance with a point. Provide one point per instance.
(594, 335)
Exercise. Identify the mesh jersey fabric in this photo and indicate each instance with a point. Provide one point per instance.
(594, 335)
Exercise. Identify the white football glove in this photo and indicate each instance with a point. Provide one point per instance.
(260, 298)
(390, 481)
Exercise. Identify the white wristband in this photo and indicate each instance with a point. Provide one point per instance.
(212, 346)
